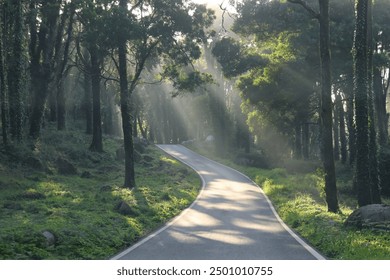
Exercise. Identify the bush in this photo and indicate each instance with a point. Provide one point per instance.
(253, 160)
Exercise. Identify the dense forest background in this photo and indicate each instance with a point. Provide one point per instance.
(248, 73)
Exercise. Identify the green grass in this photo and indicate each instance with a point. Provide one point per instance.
(298, 196)
(299, 201)
(81, 212)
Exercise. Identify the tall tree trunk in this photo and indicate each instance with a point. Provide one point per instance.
(97, 138)
(343, 137)
(298, 141)
(305, 141)
(62, 72)
(135, 124)
(380, 108)
(61, 101)
(373, 146)
(15, 69)
(52, 100)
(166, 134)
(41, 53)
(326, 121)
(40, 89)
(126, 106)
(360, 52)
(326, 109)
(87, 102)
(3, 87)
(141, 127)
(351, 125)
(336, 127)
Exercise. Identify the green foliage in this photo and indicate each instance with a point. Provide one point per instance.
(186, 81)
(234, 58)
(275, 63)
(81, 211)
(300, 203)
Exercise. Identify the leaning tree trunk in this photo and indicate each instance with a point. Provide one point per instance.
(360, 52)
(326, 109)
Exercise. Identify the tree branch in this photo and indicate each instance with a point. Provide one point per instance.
(136, 5)
(224, 11)
(305, 5)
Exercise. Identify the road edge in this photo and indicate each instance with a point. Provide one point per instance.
(169, 223)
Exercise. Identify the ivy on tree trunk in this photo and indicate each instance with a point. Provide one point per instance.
(360, 52)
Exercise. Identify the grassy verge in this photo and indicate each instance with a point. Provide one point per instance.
(299, 200)
(83, 210)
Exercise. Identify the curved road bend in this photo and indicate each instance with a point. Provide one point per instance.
(231, 219)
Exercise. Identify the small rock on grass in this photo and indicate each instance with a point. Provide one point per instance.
(50, 238)
(125, 209)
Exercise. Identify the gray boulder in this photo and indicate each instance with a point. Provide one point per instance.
(50, 238)
(374, 216)
(125, 209)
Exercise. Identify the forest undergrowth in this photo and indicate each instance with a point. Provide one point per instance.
(297, 192)
(76, 195)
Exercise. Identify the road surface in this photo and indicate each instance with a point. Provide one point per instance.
(231, 219)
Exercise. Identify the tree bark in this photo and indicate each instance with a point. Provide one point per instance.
(343, 137)
(41, 53)
(380, 108)
(127, 121)
(351, 125)
(360, 52)
(87, 102)
(306, 141)
(298, 141)
(15, 69)
(326, 109)
(97, 138)
(62, 72)
(336, 128)
(373, 146)
(3, 89)
(141, 128)
(61, 101)
(326, 121)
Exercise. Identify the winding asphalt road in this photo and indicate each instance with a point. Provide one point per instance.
(231, 219)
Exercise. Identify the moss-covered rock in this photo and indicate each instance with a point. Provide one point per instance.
(373, 216)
